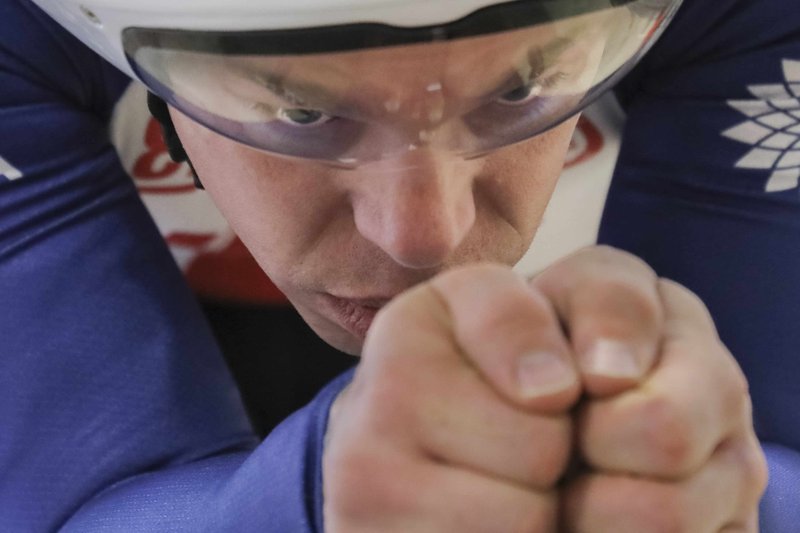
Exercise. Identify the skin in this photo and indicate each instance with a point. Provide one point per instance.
(360, 84)
(320, 230)
(340, 243)
(484, 441)
(668, 446)
(477, 388)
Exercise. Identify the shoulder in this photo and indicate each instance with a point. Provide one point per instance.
(716, 48)
(718, 97)
(56, 96)
(40, 60)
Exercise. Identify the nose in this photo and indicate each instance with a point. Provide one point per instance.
(418, 207)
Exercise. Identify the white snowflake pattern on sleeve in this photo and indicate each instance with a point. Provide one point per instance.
(8, 171)
(773, 129)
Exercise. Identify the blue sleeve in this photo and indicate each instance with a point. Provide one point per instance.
(117, 412)
(276, 488)
(706, 190)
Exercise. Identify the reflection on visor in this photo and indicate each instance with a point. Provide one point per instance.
(466, 95)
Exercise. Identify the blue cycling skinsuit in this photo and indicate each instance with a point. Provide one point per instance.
(117, 412)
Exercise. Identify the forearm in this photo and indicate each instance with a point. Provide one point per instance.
(276, 487)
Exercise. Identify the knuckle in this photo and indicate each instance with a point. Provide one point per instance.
(407, 308)
(739, 384)
(377, 404)
(344, 470)
(660, 509)
(535, 518)
(547, 461)
(491, 304)
(621, 258)
(350, 482)
(680, 291)
(688, 300)
(518, 320)
(623, 303)
(473, 277)
(730, 388)
(592, 262)
(600, 502)
(521, 307)
(668, 436)
(755, 472)
(736, 394)
(384, 404)
(760, 476)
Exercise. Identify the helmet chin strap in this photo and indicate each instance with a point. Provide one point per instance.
(158, 108)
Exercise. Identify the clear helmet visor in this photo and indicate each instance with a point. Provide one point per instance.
(365, 92)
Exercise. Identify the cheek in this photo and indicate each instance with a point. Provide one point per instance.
(276, 206)
(522, 177)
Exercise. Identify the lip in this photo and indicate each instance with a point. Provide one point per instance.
(354, 314)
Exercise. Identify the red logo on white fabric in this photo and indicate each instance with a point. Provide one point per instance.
(587, 141)
(154, 171)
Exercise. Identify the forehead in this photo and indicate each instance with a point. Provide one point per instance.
(418, 61)
(448, 77)
(467, 68)
(323, 93)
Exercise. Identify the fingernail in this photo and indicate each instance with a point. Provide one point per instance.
(543, 373)
(611, 358)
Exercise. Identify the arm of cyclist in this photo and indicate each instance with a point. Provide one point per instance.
(693, 197)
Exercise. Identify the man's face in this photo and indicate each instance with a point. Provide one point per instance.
(341, 242)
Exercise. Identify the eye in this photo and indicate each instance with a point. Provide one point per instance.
(527, 93)
(522, 95)
(303, 117)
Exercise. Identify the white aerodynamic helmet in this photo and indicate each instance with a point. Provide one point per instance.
(349, 82)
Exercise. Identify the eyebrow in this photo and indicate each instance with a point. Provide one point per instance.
(275, 83)
(298, 93)
(514, 79)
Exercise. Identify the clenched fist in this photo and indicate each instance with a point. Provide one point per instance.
(674, 449)
(477, 390)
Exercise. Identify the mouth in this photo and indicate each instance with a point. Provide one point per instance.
(354, 314)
